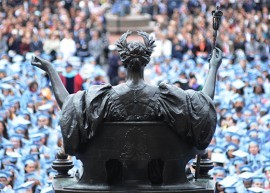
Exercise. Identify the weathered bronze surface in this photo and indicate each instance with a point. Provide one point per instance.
(134, 136)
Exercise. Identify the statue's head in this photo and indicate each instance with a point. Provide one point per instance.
(135, 54)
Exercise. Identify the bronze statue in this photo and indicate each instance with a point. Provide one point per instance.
(190, 116)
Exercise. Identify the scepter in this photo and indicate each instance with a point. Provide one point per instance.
(217, 14)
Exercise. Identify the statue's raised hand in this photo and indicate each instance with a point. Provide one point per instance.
(216, 58)
(40, 63)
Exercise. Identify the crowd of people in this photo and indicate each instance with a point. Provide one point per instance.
(72, 35)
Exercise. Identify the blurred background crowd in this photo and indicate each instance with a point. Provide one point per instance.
(72, 35)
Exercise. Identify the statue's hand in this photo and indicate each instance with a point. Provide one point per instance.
(216, 58)
(40, 63)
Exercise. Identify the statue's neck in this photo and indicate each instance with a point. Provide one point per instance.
(135, 79)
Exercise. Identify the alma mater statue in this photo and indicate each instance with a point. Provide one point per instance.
(188, 116)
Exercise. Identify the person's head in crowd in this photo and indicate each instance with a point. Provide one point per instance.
(218, 186)
(33, 86)
(258, 89)
(260, 80)
(31, 107)
(4, 177)
(258, 182)
(122, 75)
(219, 172)
(266, 171)
(235, 138)
(238, 163)
(44, 120)
(230, 148)
(3, 129)
(33, 179)
(16, 140)
(253, 147)
(30, 164)
(69, 68)
(6, 89)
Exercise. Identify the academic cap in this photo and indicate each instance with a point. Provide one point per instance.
(228, 181)
(24, 187)
(245, 168)
(256, 190)
(48, 189)
(253, 142)
(238, 161)
(4, 174)
(6, 86)
(266, 168)
(231, 189)
(20, 120)
(240, 153)
(10, 166)
(218, 149)
(218, 157)
(45, 107)
(246, 176)
(20, 128)
(231, 146)
(16, 136)
(219, 169)
(238, 84)
(258, 179)
(29, 159)
(30, 176)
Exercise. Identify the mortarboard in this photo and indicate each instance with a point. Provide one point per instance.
(240, 153)
(45, 107)
(6, 86)
(20, 120)
(230, 189)
(19, 128)
(17, 58)
(231, 146)
(218, 157)
(30, 176)
(16, 136)
(43, 116)
(29, 159)
(14, 155)
(235, 136)
(258, 179)
(256, 190)
(228, 181)
(10, 167)
(218, 149)
(238, 84)
(4, 174)
(36, 137)
(246, 176)
(48, 189)
(219, 169)
(245, 168)
(253, 142)
(266, 168)
(238, 161)
(24, 187)
(7, 144)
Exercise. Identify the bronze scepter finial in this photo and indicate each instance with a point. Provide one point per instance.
(217, 14)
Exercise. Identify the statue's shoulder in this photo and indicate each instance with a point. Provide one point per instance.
(98, 89)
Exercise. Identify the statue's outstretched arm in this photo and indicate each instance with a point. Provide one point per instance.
(209, 86)
(59, 89)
